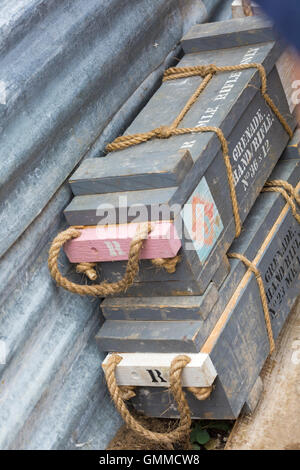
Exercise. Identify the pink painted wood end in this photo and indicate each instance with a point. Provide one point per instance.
(112, 242)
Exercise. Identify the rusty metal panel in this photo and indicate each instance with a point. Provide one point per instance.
(73, 75)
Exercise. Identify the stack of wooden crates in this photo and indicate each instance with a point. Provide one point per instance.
(209, 306)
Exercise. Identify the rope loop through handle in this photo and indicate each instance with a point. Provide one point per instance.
(104, 288)
(87, 269)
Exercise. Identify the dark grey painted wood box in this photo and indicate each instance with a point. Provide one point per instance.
(184, 323)
(184, 177)
(243, 31)
(199, 307)
(238, 343)
(158, 164)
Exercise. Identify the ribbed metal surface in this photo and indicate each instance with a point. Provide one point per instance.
(72, 76)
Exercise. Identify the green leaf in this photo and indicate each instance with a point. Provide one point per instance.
(193, 437)
(202, 436)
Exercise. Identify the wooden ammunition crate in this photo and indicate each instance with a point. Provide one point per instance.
(183, 178)
(184, 323)
(237, 344)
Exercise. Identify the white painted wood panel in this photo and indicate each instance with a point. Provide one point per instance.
(151, 369)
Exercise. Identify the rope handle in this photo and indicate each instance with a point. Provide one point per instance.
(184, 425)
(104, 288)
(120, 394)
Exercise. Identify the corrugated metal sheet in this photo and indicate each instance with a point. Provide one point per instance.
(72, 76)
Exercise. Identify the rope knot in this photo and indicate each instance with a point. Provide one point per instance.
(163, 132)
(201, 393)
(127, 392)
(207, 69)
(88, 270)
(169, 264)
(257, 274)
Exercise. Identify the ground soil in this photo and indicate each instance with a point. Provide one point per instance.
(126, 439)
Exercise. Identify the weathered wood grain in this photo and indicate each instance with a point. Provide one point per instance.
(288, 73)
(161, 308)
(150, 336)
(153, 369)
(112, 243)
(118, 173)
(121, 208)
(222, 272)
(229, 33)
